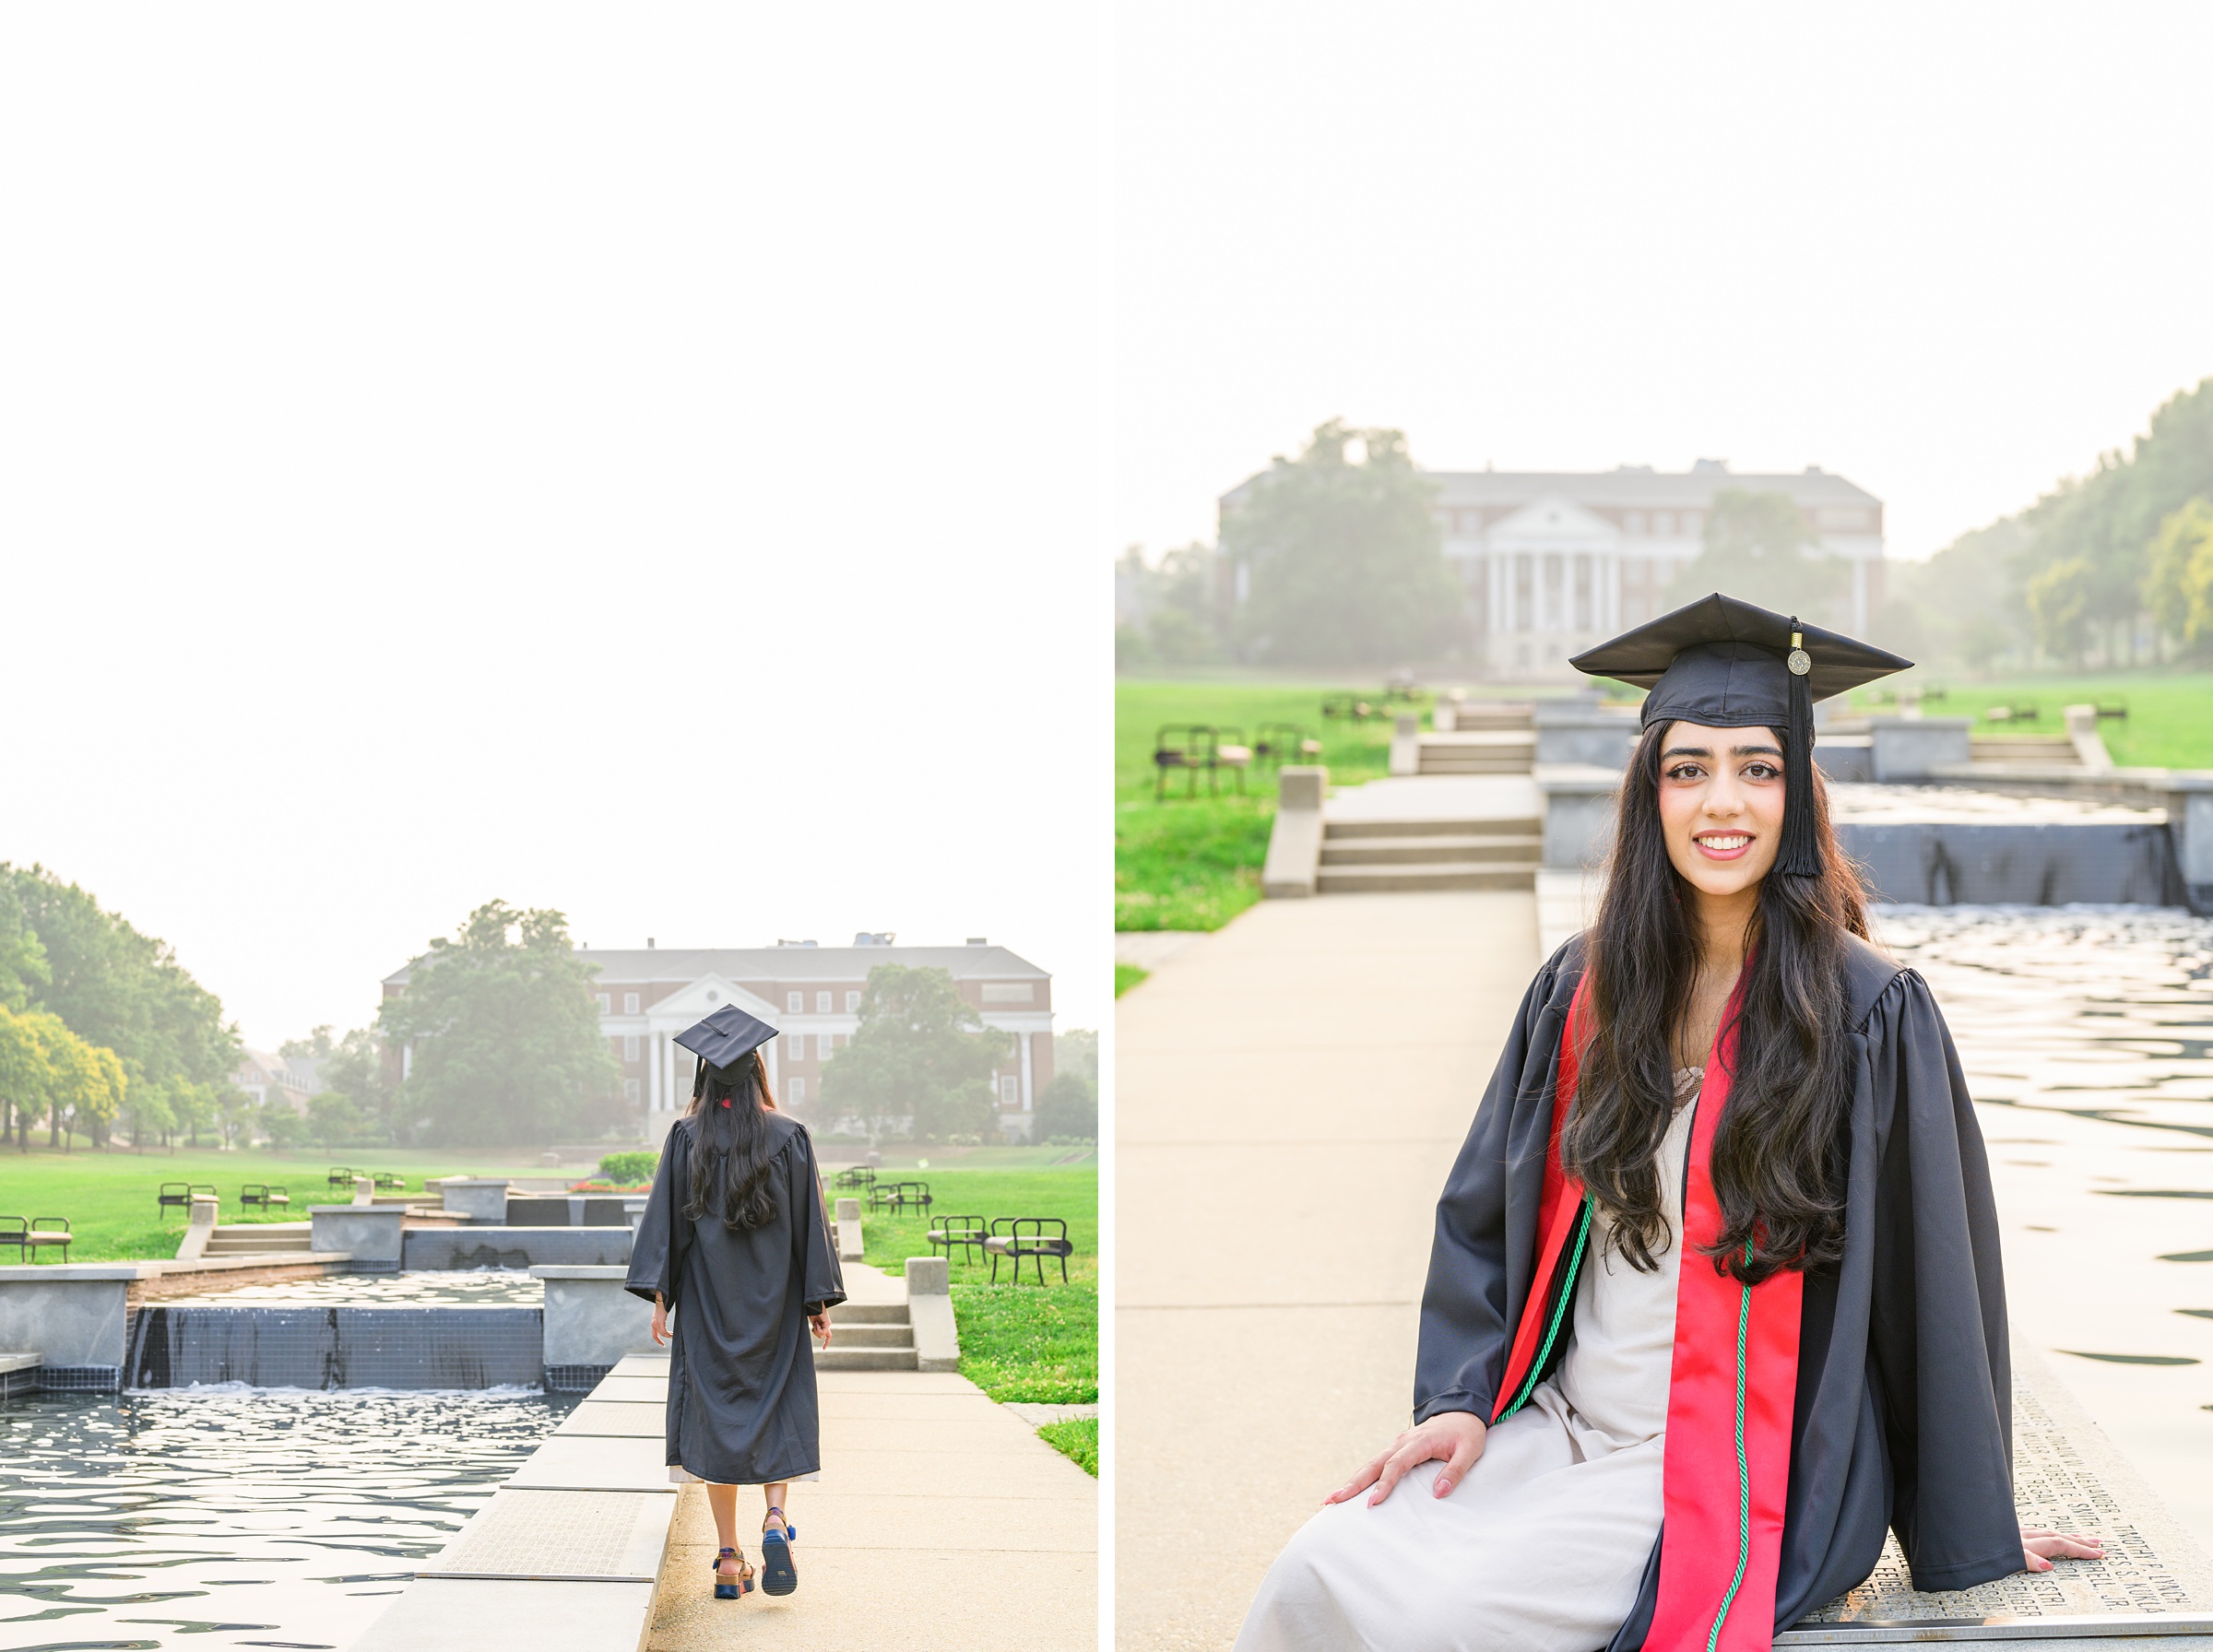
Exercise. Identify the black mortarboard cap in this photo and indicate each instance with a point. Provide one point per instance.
(724, 1037)
(1728, 663)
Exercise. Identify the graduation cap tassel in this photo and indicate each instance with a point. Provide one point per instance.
(1800, 857)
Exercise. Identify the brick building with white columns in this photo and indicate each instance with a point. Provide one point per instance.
(1552, 562)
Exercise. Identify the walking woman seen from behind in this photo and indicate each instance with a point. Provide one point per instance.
(1714, 1300)
(735, 1246)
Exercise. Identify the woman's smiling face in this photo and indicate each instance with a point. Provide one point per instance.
(1721, 804)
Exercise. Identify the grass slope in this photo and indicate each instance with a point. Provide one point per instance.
(1017, 1342)
(109, 1196)
(2168, 725)
(1077, 1440)
(1194, 863)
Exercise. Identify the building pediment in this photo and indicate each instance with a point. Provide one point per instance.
(1553, 522)
(698, 1000)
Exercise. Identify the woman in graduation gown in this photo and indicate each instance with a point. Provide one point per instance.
(1714, 1300)
(735, 1243)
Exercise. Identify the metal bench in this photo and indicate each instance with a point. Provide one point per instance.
(262, 1194)
(966, 1232)
(1015, 1237)
(45, 1231)
(858, 1175)
(1186, 746)
(174, 1196)
(13, 1230)
(342, 1177)
(386, 1179)
(1280, 743)
(910, 1195)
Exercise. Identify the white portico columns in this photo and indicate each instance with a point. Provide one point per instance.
(1028, 1103)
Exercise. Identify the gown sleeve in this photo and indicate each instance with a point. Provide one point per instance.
(1936, 1336)
(657, 1252)
(1465, 1333)
(823, 1281)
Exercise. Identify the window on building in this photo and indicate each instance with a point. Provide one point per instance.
(630, 1092)
(1690, 525)
(1633, 522)
(629, 1003)
(852, 1002)
(823, 1001)
(630, 1046)
(1009, 1091)
(607, 1002)
(798, 1050)
(1663, 522)
(795, 1092)
(794, 1002)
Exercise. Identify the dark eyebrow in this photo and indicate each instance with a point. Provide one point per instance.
(1707, 751)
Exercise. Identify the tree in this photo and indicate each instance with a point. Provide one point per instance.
(354, 1068)
(2060, 601)
(1343, 555)
(1069, 1107)
(921, 1057)
(1759, 547)
(150, 1113)
(23, 970)
(2178, 585)
(118, 989)
(505, 1037)
(26, 1076)
(314, 1047)
(1077, 1051)
(332, 1120)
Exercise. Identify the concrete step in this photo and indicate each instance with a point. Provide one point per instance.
(1527, 826)
(871, 1335)
(869, 1313)
(1483, 847)
(252, 1241)
(1447, 875)
(2022, 748)
(1432, 763)
(1490, 723)
(837, 1358)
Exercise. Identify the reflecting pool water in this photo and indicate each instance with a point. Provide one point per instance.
(2087, 1037)
(224, 1517)
(479, 1288)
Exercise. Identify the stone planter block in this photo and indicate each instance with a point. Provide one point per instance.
(929, 1312)
(481, 1199)
(590, 1319)
(1913, 748)
(371, 1234)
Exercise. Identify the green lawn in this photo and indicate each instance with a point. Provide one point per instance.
(1078, 1439)
(1194, 863)
(1018, 1342)
(109, 1196)
(2168, 725)
(1126, 975)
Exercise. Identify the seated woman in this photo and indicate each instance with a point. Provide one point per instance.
(1714, 1300)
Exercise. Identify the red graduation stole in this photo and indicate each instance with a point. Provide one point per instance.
(1732, 1388)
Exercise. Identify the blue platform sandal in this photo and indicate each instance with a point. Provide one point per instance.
(732, 1588)
(778, 1576)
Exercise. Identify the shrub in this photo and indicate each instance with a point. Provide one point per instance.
(627, 1169)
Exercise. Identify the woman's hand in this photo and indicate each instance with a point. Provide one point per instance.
(660, 1320)
(1454, 1436)
(819, 1324)
(2040, 1548)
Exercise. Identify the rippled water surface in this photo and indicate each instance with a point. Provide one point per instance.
(2087, 1037)
(224, 1517)
(481, 1287)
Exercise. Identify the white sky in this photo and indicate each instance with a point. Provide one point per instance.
(1952, 251)
(641, 460)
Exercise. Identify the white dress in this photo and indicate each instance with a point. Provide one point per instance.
(1542, 1546)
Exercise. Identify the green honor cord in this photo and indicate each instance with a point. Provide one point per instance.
(1744, 1472)
(1559, 1312)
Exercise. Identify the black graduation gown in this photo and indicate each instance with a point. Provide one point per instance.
(1903, 1411)
(741, 1400)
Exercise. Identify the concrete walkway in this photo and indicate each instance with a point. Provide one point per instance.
(1290, 1092)
(941, 1521)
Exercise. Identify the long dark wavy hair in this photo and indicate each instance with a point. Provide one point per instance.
(1778, 1161)
(731, 1147)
